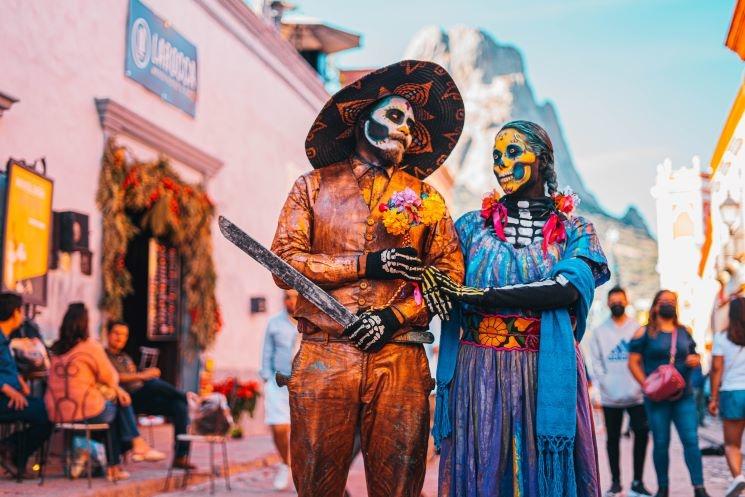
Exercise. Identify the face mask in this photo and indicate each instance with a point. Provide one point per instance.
(617, 310)
(667, 311)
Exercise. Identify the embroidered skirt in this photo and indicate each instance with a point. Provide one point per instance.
(492, 449)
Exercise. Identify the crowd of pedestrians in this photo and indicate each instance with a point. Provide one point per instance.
(84, 383)
(647, 371)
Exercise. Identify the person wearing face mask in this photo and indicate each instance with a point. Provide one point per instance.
(619, 393)
(652, 347)
(371, 147)
(512, 413)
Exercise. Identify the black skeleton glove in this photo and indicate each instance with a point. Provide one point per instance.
(373, 329)
(394, 264)
(437, 302)
(550, 293)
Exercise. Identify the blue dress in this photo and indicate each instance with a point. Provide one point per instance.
(492, 450)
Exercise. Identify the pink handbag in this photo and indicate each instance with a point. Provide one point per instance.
(665, 382)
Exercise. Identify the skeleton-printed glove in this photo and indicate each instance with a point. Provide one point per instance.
(373, 329)
(437, 302)
(393, 264)
(466, 294)
(549, 293)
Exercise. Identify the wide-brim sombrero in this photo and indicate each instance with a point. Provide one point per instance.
(437, 104)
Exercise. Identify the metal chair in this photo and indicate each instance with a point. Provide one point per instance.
(149, 359)
(7, 428)
(211, 440)
(68, 371)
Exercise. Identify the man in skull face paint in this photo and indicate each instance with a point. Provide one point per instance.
(512, 417)
(376, 137)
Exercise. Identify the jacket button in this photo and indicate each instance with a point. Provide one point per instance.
(370, 221)
(361, 301)
(363, 285)
(369, 237)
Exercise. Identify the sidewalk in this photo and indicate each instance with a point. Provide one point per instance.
(258, 481)
(716, 474)
(147, 479)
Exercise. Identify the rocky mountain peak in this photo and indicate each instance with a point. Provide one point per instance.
(491, 77)
(492, 80)
(634, 219)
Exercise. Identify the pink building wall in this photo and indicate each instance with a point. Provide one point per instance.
(256, 102)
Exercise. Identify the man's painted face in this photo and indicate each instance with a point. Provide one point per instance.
(514, 161)
(389, 127)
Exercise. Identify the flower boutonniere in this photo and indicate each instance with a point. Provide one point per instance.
(566, 201)
(406, 210)
(495, 212)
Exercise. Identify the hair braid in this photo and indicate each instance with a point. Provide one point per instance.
(549, 174)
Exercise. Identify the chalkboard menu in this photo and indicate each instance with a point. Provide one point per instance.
(164, 291)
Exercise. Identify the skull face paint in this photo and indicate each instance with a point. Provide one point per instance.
(388, 129)
(513, 160)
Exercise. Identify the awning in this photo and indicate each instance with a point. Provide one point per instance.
(736, 35)
(349, 76)
(311, 34)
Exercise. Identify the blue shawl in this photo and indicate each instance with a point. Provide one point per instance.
(556, 413)
(556, 416)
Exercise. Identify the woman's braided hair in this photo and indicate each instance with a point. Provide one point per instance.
(540, 143)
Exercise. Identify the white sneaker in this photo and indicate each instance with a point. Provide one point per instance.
(736, 486)
(282, 478)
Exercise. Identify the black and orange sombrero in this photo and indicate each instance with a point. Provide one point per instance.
(438, 108)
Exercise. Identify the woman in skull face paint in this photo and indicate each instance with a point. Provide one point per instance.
(513, 418)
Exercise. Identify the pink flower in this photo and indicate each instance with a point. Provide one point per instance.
(566, 201)
(496, 212)
(553, 232)
(405, 198)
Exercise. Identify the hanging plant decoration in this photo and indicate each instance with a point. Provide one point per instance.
(171, 210)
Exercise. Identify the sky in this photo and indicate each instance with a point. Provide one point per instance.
(634, 81)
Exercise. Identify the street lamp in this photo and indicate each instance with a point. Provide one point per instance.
(730, 210)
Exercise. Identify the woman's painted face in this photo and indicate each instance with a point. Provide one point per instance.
(514, 161)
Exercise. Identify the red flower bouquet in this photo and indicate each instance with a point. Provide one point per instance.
(242, 396)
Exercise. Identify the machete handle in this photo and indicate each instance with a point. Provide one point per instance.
(282, 379)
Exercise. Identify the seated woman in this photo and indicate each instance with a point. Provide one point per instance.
(80, 377)
(150, 395)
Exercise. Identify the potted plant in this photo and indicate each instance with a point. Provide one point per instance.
(242, 397)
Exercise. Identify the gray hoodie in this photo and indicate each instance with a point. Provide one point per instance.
(609, 350)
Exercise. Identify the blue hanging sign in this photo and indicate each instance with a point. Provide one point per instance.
(160, 59)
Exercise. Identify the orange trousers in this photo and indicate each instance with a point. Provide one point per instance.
(335, 390)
